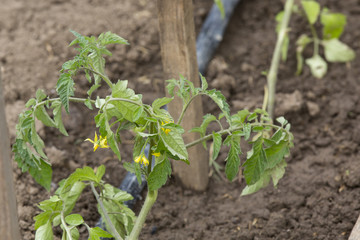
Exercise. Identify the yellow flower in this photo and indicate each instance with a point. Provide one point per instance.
(142, 159)
(102, 142)
(166, 130)
(157, 154)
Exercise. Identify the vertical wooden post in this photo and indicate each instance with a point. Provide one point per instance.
(178, 51)
(9, 226)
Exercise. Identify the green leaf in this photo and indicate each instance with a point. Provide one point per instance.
(158, 103)
(74, 232)
(30, 102)
(282, 121)
(58, 117)
(217, 140)
(92, 89)
(88, 104)
(334, 24)
(312, 10)
(111, 38)
(247, 131)
(70, 196)
(40, 95)
(42, 219)
(159, 174)
(276, 153)
(97, 233)
(81, 174)
(100, 171)
(204, 84)
(44, 232)
(42, 174)
(220, 5)
(317, 65)
(336, 51)
(220, 100)
(130, 111)
(65, 89)
(207, 119)
(256, 162)
(74, 219)
(278, 172)
(240, 117)
(233, 159)
(261, 183)
(174, 143)
(43, 116)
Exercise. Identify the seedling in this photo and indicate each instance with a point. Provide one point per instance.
(153, 126)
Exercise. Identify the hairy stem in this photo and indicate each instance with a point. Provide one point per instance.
(140, 220)
(113, 231)
(184, 109)
(103, 76)
(67, 229)
(272, 75)
(228, 131)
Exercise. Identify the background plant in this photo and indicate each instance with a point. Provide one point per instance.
(153, 126)
(333, 25)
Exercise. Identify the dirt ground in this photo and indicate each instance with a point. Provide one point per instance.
(319, 196)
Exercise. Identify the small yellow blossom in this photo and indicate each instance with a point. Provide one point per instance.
(157, 154)
(102, 142)
(142, 159)
(166, 130)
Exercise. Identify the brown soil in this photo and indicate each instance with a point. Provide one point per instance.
(319, 196)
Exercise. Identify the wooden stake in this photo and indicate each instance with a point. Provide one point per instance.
(178, 51)
(9, 228)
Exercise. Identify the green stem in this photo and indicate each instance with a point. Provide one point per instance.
(316, 39)
(140, 220)
(150, 147)
(272, 75)
(227, 131)
(106, 216)
(72, 99)
(67, 229)
(103, 76)
(185, 108)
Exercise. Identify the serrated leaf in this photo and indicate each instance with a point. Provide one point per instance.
(65, 89)
(160, 102)
(312, 10)
(261, 183)
(174, 143)
(74, 219)
(111, 38)
(40, 95)
(276, 153)
(247, 131)
(44, 232)
(58, 117)
(217, 145)
(317, 66)
(282, 121)
(97, 233)
(252, 116)
(42, 219)
(81, 174)
(30, 102)
(220, 100)
(233, 159)
(42, 174)
(278, 172)
(159, 175)
(334, 24)
(255, 163)
(43, 116)
(336, 51)
(204, 84)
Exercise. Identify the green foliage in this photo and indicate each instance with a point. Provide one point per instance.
(152, 126)
(335, 50)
